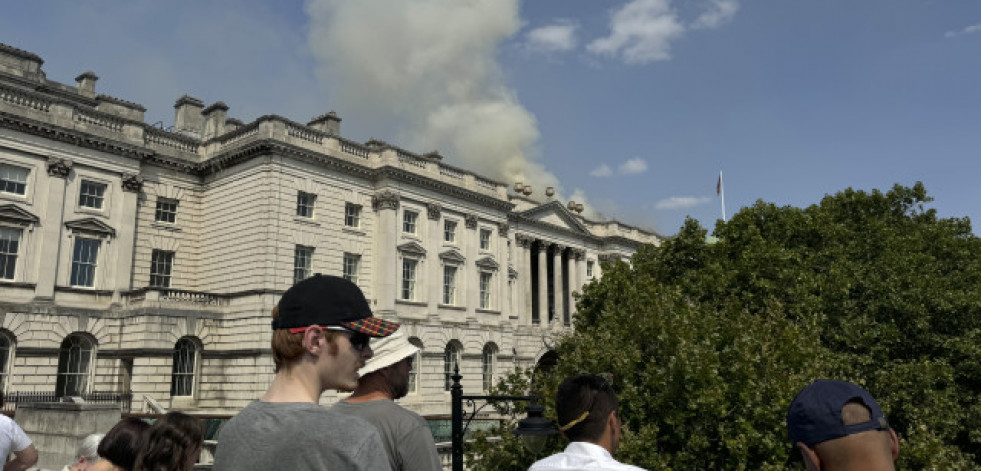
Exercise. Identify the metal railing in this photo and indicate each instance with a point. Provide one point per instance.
(13, 398)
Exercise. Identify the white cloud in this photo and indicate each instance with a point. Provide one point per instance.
(602, 171)
(681, 202)
(560, 36)
(969, 30)
(633, 167)
(640, 32)
(719, 12)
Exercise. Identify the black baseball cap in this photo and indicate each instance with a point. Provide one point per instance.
(814, 415)
(327, 300)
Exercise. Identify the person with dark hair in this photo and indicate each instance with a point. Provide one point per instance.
(14, 440)
(172, 443)
(118, 449)
(587, 409)
(321, 328)
(838, 426)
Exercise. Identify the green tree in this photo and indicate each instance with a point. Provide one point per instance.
(710, 341)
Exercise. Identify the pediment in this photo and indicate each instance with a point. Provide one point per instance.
(91, 226)
(412, 248)
(554, 214)
(488, 263)
(17, 215)
(453, 256)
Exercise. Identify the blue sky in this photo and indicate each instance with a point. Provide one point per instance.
(630, 106)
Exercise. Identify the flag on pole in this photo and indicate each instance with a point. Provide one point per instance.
(721, 193)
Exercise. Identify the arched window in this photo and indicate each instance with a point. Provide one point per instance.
(74, 365)
(488, 362)
(186, 352)
(7, 346)
(416, 366)
(451, 360)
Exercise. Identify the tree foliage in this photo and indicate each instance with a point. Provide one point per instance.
(709, 340)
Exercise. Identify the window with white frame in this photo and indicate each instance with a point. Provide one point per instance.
(352, 215)
(9, 245)
(161, 264)
(74, 361)
(91, 194)
(488, 360)
(485, 289)
(485, 239)
(409, 268)
(589, 268)
(449, 284)
(84, 260)
(409, 219)
(352, 263)
(182, 373)
(416, 365)
(13, 179)
(449, 231)
(304, 204)
(302, 261)
(7, 347)
(451, 361)
(166, 210)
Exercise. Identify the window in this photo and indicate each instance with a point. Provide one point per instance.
(302, 260)
(409, 221)
(485, 289)
(449, 284)
(7, 344)
(91, 194)
(589, 268)
(166, 210)
(9, 243)
(416, 365)
(409, 278)
(488, 358)
(304, 204)
(351, 263)
(485, 236)
(352, 215)
(161, 263)
(84, 259)
(449, 231)
(451, 362)
(74, 360)
(13, 179)
(182, 374)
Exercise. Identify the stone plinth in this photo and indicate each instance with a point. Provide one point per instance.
(57, 428)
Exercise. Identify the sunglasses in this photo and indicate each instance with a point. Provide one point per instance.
(357, 340)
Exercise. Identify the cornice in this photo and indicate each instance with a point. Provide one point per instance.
(7, 49)
(445, 188)
(526, 221)
(70, 136)
(120, 102)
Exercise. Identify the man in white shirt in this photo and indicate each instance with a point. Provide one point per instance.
(586, 407)
(14, 441)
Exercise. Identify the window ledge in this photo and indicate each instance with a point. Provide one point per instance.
(410, 302)
(15, 197)
(101, 212)
(307, 221)
(354, 230)
(406, 235)
(167, 226)
(83, 289)
(454, 307)
(17, 284)
(488, 311)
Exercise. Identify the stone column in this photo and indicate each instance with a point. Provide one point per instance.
(387, 269)
(126, 235)
(52, 223)
(575, 277)
(523, 293)
(542, 284)
(557, 281)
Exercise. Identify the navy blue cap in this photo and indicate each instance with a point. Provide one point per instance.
(814, 415)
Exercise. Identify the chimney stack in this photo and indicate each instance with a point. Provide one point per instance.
(214, 120)
(187, 116)
(329, 123)
(86, 83)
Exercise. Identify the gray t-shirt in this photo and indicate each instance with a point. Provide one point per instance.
(297, 436)
(407, 438)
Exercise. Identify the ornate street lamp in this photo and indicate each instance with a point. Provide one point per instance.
(534, 430)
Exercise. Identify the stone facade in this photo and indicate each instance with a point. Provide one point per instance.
(143, 260)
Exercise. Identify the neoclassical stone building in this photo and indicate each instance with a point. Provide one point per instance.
(141, 260)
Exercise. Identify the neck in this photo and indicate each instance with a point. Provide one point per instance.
(369, 390)
(294, 385)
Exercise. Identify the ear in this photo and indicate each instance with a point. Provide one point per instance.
(895, 443)
(811, 460)
(313, 339)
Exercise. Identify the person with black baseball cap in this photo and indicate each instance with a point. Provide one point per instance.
(838, 426)
(321, 330)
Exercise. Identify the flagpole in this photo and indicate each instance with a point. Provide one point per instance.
(722, 194)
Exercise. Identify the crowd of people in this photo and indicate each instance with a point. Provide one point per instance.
(322, 331)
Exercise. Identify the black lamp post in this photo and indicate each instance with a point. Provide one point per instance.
(534, 429)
